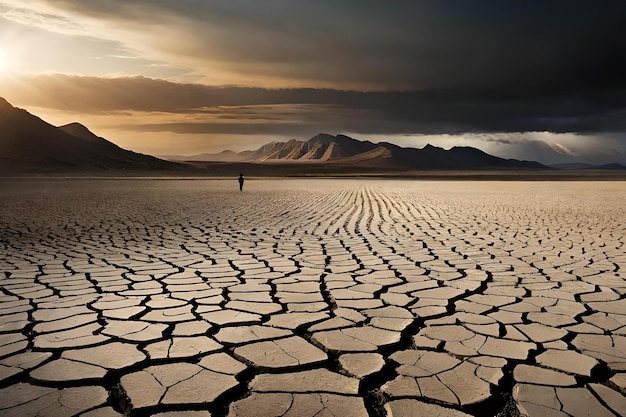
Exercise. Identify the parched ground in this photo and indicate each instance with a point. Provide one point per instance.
(303, 298)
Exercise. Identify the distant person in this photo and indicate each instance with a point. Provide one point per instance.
(241, 180)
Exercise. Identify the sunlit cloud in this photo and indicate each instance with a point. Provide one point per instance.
(71, 42)
(21, 13)
(356, 45)
(563, 150)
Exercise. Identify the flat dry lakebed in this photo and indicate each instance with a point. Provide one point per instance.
(312, 297)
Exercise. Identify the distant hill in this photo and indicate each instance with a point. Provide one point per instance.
(224, 156)
(29, 144)
(581, 166)
(611, 167)
(572, 166)
(344, 150)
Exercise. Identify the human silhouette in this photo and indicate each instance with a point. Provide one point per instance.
(241, 180)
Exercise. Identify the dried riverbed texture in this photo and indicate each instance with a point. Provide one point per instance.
(312, 298)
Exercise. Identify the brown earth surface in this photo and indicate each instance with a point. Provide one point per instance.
(312, 297)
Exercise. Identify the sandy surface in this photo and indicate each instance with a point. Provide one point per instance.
(312, 298)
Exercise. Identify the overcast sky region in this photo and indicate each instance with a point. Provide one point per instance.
(542, 80)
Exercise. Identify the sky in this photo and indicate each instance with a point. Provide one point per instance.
(542, 80)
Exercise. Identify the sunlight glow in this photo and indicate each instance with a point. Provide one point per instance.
(5, 64)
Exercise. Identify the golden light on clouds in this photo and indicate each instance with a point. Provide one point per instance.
(5, 65)
(12, 52)
(187, 77)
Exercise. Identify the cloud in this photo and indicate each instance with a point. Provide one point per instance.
(518, 47)
(545, 147)
(410, 112)
(554, 148)
(15, 12)
(295, 67)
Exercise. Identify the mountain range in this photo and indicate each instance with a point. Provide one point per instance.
(29, 144)
(344, 150)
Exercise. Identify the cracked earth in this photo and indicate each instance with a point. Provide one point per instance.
(312, 298)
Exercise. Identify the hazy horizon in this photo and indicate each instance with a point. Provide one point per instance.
(515, 79)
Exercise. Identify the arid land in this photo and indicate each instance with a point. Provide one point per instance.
(310, 297)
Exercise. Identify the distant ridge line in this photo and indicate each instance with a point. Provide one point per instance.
(29, 144)
(342, 149)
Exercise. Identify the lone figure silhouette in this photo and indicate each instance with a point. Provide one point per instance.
(241, 180)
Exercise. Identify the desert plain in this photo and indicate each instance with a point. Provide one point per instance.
(312, 297)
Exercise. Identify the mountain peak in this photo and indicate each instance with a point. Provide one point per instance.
(349, 153)
(28, 143)
(75, 125)
(81, 132)
(5, 104)
(77, 128)
(322, 137)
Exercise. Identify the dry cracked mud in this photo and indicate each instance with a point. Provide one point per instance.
(180, 297)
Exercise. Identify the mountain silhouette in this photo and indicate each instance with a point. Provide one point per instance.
(344, 150)
(614, 167)
(27, 143)
(581, 166)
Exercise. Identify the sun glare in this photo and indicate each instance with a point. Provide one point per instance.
(6, 66)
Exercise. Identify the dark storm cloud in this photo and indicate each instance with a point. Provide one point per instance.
(438, 66)
(492, 47)
(327, 109)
